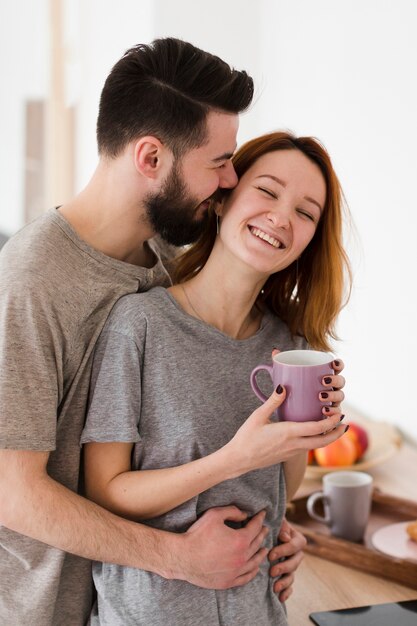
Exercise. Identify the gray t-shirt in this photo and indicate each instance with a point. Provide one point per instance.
(56, 293)
(179, 389)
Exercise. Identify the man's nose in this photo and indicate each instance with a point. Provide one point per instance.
(228, 176)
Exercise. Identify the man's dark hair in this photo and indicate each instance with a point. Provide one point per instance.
(166, 89)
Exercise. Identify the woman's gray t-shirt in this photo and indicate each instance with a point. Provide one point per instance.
(179, 390)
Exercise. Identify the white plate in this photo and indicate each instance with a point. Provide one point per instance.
(395, 541)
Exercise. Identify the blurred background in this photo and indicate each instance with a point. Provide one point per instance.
(343, 71)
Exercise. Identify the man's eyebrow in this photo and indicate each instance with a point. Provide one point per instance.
(281, 182)
(224, 157)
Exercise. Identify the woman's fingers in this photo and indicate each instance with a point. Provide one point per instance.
(332, 392)
(335, 397)
(313, 429)
(333, 382)
(320, 441)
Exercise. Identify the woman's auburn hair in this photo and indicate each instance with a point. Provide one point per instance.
(308, 294)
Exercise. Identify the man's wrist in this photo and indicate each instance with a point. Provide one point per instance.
(170, 550)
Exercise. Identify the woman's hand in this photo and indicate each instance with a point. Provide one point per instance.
(290, 549)
(260, 443)
(334, 385)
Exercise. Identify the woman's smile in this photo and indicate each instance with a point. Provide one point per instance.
(269, 239)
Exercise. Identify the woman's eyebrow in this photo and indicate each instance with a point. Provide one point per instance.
(314, 202)
(275, 178)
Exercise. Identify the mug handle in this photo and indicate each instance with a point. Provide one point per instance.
(311, 503)
(254, 383)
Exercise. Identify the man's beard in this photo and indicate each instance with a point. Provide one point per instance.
(171, 212)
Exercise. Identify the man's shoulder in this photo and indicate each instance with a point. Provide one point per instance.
(33, 245)
(40, 268)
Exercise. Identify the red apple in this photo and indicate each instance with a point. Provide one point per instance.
(360, 438)
(339, 453)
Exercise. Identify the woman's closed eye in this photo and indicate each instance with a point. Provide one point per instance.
(268, 192)
(306, 214)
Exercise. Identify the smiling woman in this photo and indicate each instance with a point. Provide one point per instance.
(165, 444)
(289, 193)
(275, 211)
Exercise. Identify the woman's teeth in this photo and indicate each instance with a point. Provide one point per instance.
(259, 233)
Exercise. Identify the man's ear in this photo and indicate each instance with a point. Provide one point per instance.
(151, 156)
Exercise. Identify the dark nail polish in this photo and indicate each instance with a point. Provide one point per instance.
(327, 409)
(279, 390)
(327, 380)
(324, 395)
(347, 428)
(337, 363)
(341, 418)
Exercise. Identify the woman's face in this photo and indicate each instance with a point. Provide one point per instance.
(272, 214)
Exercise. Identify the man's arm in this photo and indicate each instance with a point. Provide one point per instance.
(210, 554)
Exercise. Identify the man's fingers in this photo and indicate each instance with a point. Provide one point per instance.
(257, 542)
(231, 513)
(244, 579)
(255, 523)
(251, 569)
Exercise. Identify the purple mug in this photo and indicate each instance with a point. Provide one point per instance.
(301, 373)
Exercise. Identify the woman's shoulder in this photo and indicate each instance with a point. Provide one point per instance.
(133, 310)
(283, 338)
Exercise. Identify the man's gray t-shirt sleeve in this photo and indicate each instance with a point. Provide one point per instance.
(30, 361)
(115, 392)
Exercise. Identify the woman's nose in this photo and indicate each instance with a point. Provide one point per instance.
(280, 217)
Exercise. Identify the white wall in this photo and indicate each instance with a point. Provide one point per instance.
(344, 71)
(23, 71)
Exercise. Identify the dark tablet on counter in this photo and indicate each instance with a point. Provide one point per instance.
(391, 614)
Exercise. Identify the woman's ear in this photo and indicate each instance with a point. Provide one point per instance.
(151, 157)
(219, 207)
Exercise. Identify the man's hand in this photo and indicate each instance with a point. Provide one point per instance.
(292, 544)
(228, 557)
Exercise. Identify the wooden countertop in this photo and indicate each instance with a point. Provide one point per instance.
(322, 585)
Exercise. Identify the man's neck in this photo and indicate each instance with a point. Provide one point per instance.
(109, 216)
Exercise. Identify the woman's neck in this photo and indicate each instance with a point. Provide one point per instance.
(225, 300)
